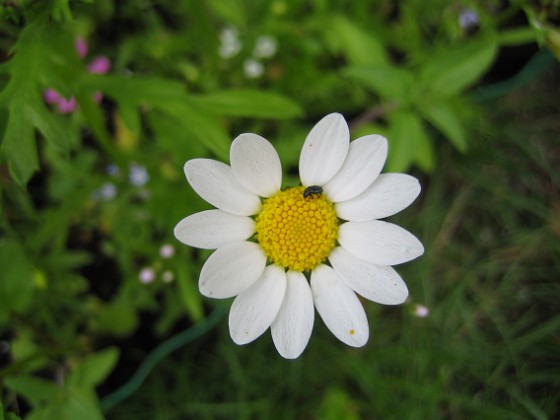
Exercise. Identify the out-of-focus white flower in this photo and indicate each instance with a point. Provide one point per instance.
(421, 311)
(265, 47)
(167, 276)
(107, 192)
(230, 45)
(167, 251)
(147, 275)
(138, 175)
(252, 68)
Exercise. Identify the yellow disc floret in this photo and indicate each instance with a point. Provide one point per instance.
(297, 232)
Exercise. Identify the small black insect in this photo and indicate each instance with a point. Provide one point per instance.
(312, 190)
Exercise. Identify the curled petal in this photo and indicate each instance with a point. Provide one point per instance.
(256, 164)
(363, 164)
(231, 269)
(292, 327)
(214, 182)
(339, 307)
(324, 150)
(379, 242)
(253, 311)
(378, 283)
(389, 194)
(212, 229)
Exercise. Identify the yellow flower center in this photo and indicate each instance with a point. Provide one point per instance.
(297, 232)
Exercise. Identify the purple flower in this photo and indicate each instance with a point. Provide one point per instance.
(51, 96)
(66, 106)
(81, 47)
(99, 65)
(468, 18)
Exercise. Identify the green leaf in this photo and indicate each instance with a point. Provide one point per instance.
(408, 143)
(19, 147)
(34, 56)
(387, 81)
(168, 97)
(231, 11)
(359, 46)
(16, 287)
(452, 70)
(92, 370)
(71, 405)
(249, 103)
(118, 318)
(35, 390)
(189, 294)
(442, 117)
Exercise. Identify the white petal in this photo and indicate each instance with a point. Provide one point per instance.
(378, 283)
(256, 164)
(324, 150)
(293, 325)
(214, 182)
(253, 311)
(231, 270)
(379, 242)
(363, 164)
(339, 307)
(211, 229)
(389, 194)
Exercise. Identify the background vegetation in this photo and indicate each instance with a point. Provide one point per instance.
(100, 316)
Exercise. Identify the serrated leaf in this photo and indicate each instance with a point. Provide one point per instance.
(442, 117)
(34, 53)
(452, 70)
(92, 370)
(386, 81)
(408, 142)
(249, 103)
(359, 46)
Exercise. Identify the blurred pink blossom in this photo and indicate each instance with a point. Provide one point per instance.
(99, 65)
(81, 47)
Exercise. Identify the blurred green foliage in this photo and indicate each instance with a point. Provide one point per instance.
(89, 198)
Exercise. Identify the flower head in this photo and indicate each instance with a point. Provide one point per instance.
(421, 311)
(252, 68)
(138, 175)
(230, 45)
(468, 19)
(283, 253)
(265, 47)
(147, 275)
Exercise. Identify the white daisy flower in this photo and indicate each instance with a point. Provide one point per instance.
(269, 242)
